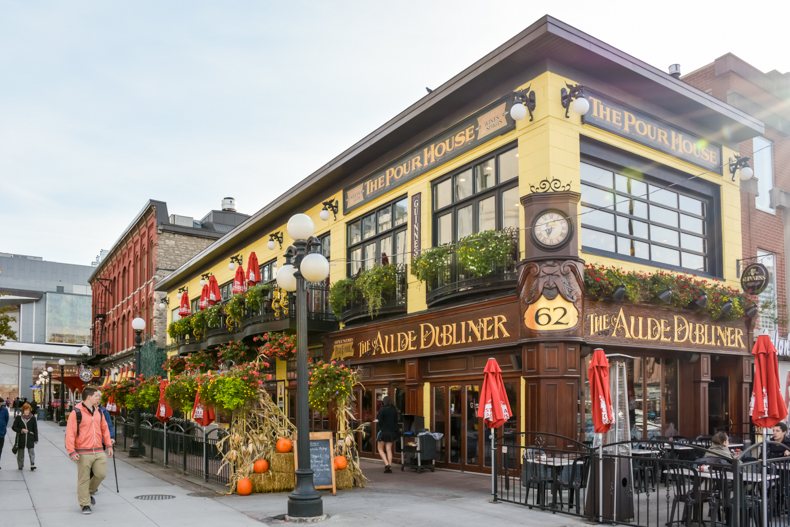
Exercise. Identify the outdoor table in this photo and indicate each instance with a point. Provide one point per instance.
(557, 465)
(644, 452)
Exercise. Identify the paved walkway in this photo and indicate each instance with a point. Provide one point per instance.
(47, 497)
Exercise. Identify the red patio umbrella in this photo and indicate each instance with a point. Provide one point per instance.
(495, 409)
(163, 410)
(253, 270)
(239, 281)
(184, 310)
(202, 414)
(598, 375)
(214, 295)
(203, 303)
(767, 406)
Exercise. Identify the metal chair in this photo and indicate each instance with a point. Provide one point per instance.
(685, 480)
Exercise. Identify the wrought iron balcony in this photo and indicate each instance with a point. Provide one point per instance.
(393, 300)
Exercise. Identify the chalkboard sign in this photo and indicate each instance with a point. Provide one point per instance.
(322, 460)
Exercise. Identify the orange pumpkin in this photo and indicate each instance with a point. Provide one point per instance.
(260, 466)
(283, 445)
(341, 462)
(244, 487)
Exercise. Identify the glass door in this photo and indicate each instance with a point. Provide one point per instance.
(455, 409)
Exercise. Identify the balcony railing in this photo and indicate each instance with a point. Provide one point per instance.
(454, 280)
(393, 300)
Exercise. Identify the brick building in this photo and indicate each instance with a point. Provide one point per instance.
(152, 246)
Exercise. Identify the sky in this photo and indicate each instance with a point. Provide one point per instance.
(105, 104)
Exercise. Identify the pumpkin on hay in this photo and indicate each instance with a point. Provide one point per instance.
(260, 466)
(283, 445)
(341, 462)
(244, 487)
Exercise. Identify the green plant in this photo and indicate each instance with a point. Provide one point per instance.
(144, 395)
(375, 284)
(180, 392)
(480, 254)
(180, 328)
(234, 351)
(175, 364)
(199, 325)
(432, 264)
(234, 312)
(343, 294)
(274, 344)
(330, 382)
(255, 297)
(233, 389)
(201, 361)
(214, 316)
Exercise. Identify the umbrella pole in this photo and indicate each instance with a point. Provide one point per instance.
(493, 467)
(765, 481)
(600, 478)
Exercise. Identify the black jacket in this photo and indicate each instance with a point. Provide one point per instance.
(28, 440)
(778, 449)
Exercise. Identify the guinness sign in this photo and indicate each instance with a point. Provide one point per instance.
(754, 279)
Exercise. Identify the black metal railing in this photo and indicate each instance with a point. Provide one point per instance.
(393, 300)
(179, 444)
(455, 280)
(644, 483)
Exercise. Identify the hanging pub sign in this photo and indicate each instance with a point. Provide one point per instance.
(490, 122)
(754, 279)
(653, 327)
(653, 132)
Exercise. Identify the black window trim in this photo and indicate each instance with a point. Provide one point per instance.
(377, 236)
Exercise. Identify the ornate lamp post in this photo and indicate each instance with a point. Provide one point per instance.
(302, 262)
(49, 385)
(62, 422)
(138, 325)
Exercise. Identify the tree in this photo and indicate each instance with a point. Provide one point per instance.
(6, 333)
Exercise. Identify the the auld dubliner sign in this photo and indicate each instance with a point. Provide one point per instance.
(642, 128)
(644, 326)
(492, 121)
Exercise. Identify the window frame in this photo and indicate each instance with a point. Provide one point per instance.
(762, 201)
(617, 161)
(378, 235)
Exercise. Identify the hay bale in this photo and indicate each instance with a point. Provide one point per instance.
(344, 479)
(281, 475)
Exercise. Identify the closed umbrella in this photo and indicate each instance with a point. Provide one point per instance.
(602, 412)
(214, 295)
(201, 413)
(163, 410)
(203, 303)
(184, 309)
(495, 409)
(767, 406)
(253, 270)
(239, 281)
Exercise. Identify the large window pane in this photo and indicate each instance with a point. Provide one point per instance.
(368, 226)
(444, 229)
(508, 165)
(687, 223)
(687, 204)
(370, 255)
(597, 197)
(634, 248)
(666, 256)
(400, 249)
(401, 212)
(693, 261)
(632, 227)
(599, 240)
(443, 194)
(596, 175)
(385, 219)
(598, 218)
(692, 243)
(463, 185)
(510, 208)
(355, 232)
(663, 196)
(486, 213)
(662, 215)
(763, 165)
(385, 249)
(662, 235)
(68, 318)
(485, 176)
(465, 221)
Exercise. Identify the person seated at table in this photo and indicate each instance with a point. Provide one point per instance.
(718, 452)
(779, 436)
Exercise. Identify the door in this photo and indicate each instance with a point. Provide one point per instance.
(455, 415)
(718, 405)
(368, 404)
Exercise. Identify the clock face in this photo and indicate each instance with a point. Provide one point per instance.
(551, 229)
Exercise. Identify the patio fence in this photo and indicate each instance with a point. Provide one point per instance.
(644, 483)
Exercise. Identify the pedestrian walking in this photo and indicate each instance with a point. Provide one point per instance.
(88, 444)
(387, 420)
(26, 428)
(3, 423)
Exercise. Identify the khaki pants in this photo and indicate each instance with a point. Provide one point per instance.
(87, 485)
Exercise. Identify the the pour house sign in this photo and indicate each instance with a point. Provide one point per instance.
(490, 122)
(635, 325)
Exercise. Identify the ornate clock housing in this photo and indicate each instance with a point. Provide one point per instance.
(551, 229)
(551, 224)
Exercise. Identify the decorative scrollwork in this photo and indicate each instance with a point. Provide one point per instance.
(550, 185)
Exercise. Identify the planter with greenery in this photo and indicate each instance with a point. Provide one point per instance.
(432, 264)
(201, 361)
(144, 395)
(377, 284)
(235, 352)
(181, 328)
(276, 345)
(483, 253)
(199, 325)
(174, 364)
(214, 316)
(342, 295)
(255, 297)
(180, 392)
(234, 312)
(233, 389)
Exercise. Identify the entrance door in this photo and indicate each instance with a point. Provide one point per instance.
(718, 405)
(455, 415)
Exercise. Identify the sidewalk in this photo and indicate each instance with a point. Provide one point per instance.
(47, 497)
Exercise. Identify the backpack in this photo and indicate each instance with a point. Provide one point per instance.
(79, 417)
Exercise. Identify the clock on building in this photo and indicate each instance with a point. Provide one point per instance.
(551, 229)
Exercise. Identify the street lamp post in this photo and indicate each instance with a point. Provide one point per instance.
(138, 325)
(302, 262)
(62, 422)
(49, 405)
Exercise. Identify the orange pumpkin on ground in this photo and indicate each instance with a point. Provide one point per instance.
(341, 462)
(260, 466)
(283, 445)
(244, 487)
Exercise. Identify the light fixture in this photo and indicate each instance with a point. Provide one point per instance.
(234, 261)
(275, 237)
(619, 293)
(726, 308)
(329, 206)
(61, 362)
(286, 279)
(573, 99)
(164, 302)
(524, 102)
(701, 301)
(665, 296)
(204, 279)
(751, 311)
(741, 162)
(84, 350)
(49, 369)
(138, 325)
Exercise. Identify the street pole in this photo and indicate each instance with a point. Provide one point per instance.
(138, 324)
(62, 422)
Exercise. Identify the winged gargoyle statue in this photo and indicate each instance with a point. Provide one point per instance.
(551, 278)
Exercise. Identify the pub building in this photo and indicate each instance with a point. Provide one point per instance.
(503, 168)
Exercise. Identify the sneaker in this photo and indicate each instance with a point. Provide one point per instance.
(387, 469)
(86, 509)
(93, 500)
(32, 468)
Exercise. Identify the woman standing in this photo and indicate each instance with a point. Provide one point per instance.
(387, 420)
(26, 429)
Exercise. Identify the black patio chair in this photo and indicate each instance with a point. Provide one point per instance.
(535, 476)
(685, 480)
(718, 494)
(575, 481)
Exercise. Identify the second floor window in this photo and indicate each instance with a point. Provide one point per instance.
(268, 271)
(480, 197)
(763, 163)
(378, 237)
(769, 310)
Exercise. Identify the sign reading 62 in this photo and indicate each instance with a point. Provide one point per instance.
(551, 315)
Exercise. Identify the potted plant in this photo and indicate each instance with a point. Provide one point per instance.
(342, 295)
(234, 312)
(199, 325)
(482, 253)
(330, 383)
(232, 389)
(144, 395)
(180, 392)
(180, 329)
(375, 284)
(275, 344)
(235, 351)
(432, 264)
(214, 316)
(174, 364)
(255, 297)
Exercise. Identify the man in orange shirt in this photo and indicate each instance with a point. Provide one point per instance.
(87, 439)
